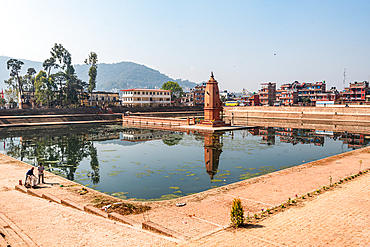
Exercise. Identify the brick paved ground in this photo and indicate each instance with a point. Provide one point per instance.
(339, 217)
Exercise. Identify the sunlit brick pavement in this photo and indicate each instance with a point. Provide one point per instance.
(339, 217)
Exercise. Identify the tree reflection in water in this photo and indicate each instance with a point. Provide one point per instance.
(59, 153)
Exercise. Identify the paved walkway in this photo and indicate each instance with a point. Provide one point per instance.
(338, 217)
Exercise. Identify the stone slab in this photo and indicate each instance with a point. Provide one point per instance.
(70, 203)
(3, 242)
(151, 226)
(16, 232)
(34, 192)
(51, 198)
(21, 188)
(96, 211)
(118, 217)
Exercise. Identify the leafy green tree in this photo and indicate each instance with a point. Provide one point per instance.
(305, 100)
(11, 92)
(60, 79)
(15, 66)
(93, 72)
(44, 88)
(176, 90)
(49, 64)
(65, 77)
(2, 102)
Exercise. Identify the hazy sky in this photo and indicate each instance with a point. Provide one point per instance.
(237, 40)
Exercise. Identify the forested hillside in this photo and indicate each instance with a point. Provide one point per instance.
(119, 76)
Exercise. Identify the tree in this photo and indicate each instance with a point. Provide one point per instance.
(60, 78)
(60, 59)
(31, 83)
(305, 100)
(176, 90)
(237, 213)
(2, 102)
(44, 88)
(49, 64)
(93, 72)
(15, 66)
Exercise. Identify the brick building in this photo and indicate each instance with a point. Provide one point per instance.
(356, 92)
(267, 93)
(199, 91)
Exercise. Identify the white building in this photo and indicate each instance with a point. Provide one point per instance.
(145, 97)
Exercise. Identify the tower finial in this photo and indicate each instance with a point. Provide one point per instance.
(212, 74)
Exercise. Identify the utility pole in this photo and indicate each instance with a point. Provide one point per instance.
(344, 78)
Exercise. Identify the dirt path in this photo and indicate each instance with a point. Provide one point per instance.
(336, 215)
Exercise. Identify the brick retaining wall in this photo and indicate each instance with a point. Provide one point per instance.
(318, 114)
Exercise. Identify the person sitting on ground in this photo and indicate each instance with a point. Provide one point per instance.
(31, 179)
(41, 169)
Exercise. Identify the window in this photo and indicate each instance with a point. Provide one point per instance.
(138, 92)
(161, 93)
(134, 92)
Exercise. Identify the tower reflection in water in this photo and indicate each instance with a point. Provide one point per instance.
(212, 152)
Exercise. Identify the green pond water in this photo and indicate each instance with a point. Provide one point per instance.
(155, 164)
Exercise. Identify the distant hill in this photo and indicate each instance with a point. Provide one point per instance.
(114, 76)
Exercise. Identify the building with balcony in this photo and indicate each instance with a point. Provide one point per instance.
(356, 92)
(312, 90)
(101, 98)
(287, 94)
(145, 97)
(199, 91)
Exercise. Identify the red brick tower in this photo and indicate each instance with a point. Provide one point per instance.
(212, 105)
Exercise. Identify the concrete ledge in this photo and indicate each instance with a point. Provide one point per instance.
(96, 211)
(123, 219)
(70, 203)
(151, 226)
(21, 188)
(51, 198)
(34, 192)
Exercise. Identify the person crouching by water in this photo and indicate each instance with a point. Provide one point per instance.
(31, 179)
(41, 169)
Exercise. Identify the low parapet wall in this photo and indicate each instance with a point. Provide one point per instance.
(157, 121)
(318, 114)
(17, 121)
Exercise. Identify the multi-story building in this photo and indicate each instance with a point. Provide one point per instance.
(100, 98)
(311, 90)
(188, 99)
(254, 100)
(356, 92)
(287, 94)
(267, 93)
(145, 97)
(199, 91)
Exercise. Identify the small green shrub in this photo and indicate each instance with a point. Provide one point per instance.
(237, 213)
